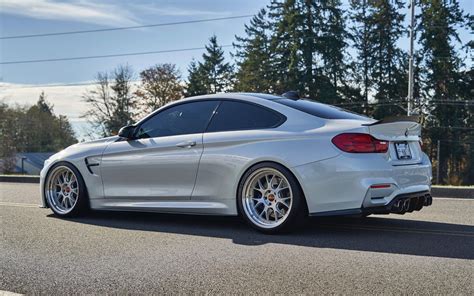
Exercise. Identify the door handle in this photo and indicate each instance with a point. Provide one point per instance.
(187, 144)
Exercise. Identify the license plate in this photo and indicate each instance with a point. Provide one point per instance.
(403, 150)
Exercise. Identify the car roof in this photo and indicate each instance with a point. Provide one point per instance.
(237, 95)
(249, 97)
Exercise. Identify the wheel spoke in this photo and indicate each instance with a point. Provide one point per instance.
(277, 211)
(267, 216)
(284, 203)
(260, 185)
(267, 181)
(271, 182)
(63, 201)
(60, 197)
(256, 199)
(279, 184)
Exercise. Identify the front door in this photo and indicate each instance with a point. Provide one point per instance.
(162, 162)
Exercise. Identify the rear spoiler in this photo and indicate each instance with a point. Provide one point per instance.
(410, 118)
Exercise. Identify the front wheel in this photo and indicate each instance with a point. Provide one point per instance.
(65, 190)
(270, 198)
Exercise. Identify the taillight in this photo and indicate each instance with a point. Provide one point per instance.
(359, 143)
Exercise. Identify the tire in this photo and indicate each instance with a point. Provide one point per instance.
(262, 198)
(65, 191)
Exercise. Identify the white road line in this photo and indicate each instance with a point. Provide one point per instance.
(6, 293)
(453, 198)
(399, 229)
(16, 204)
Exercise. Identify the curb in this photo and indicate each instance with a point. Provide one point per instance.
(19, 179)
(457, 192)
(436, 191)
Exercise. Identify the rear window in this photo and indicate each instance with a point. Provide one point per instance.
(321, 110)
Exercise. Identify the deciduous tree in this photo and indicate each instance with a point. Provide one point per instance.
(160, 84)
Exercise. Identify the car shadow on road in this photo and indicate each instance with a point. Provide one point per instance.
(373, 234)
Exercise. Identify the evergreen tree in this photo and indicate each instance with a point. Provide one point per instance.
(212, 75)
(333, 43)
(361, 67)
(289, 60)
(31, 129)
(438, 22)
(10, 137)
(387, 60)
(308, 46)
(254, 57)
(195, 85)
(217, 75)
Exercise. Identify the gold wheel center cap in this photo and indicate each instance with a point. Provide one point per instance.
(271, 197)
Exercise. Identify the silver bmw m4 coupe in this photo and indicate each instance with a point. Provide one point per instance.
(271, 159)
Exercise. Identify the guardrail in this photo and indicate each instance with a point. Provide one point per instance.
(436, 191)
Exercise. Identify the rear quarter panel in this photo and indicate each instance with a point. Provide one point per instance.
(227, 155)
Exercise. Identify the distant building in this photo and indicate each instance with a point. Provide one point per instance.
(32, 162)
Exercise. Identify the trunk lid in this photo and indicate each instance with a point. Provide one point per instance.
(403, 135)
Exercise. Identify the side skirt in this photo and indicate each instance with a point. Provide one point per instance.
(175, 207)
(337, 213)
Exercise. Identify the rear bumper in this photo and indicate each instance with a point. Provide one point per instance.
(403, 203)
(344, 183)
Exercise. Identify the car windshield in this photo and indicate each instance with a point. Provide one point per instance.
(321, 110)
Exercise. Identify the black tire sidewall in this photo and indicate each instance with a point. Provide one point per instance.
(82, 204)
(298, 211)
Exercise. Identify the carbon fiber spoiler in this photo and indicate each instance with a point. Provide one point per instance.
(409, 118)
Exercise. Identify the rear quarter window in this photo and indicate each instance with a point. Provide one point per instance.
(321, 110)
(234, 115)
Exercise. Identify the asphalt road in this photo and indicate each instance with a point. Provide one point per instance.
(427, 252)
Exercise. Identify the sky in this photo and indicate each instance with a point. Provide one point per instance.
(22, 83)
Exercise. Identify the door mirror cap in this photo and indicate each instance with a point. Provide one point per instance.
(127, 132)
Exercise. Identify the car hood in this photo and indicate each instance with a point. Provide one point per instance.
(83, 149)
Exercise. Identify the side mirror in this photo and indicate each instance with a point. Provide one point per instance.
(127, 132)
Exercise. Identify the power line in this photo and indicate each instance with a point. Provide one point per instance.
(125, 28)
(451, 127)
(396, 102)
(55, 85)
(106, 56)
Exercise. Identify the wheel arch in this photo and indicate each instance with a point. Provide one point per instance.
(260, 161)
(48, 171)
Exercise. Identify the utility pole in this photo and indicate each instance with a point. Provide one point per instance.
(437, 158)
(23, 158)
(410, 69)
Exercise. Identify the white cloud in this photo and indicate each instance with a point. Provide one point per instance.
(67, 100)
(166, 10)
(79, 10)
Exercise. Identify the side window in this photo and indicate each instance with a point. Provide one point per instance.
(188, 118)
(231, 116)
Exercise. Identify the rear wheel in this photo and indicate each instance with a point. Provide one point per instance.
(270, 198)
(65, 190)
